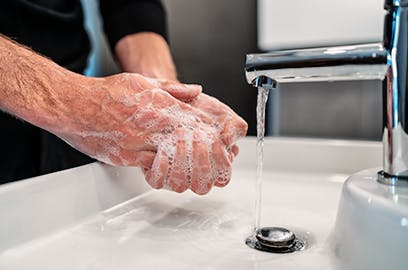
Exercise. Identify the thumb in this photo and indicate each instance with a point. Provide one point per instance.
(184, 92)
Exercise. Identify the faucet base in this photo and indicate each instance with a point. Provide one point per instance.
(392, 180)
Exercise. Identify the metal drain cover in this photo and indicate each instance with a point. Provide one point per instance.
(276, 237)
(275, 240)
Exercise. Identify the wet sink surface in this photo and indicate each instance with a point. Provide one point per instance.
(157, 229)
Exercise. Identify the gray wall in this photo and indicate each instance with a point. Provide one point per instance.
(348, 110)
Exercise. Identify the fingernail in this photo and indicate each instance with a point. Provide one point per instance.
(231, 156)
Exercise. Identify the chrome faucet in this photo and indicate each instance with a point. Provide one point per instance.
(386, 61)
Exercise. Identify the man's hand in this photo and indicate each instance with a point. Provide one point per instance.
(231, 128)
(149, 54)
(123, 118)
(207, 150)
(146, 53)
(132, 120)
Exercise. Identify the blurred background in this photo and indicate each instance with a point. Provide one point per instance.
(209, 40)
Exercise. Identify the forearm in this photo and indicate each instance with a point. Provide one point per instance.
(146, 53)
(33, 87)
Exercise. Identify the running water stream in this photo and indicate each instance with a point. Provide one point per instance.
(260, 126)
(270, 239)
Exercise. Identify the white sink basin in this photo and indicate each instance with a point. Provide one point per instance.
(100, 217)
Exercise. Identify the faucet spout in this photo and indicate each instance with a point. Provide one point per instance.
(386, 61)
(354, 62)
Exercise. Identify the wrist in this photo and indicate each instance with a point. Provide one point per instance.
(74, 103)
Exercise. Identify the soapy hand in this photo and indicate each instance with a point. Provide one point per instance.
(182, 139)
(230, 128)
(201, 156)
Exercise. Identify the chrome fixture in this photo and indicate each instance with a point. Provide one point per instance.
(275, 240)
(386, 61)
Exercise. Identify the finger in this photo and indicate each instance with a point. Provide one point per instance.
(157, 175)
(184, 92)
(233, 130)
(178, 177)
(235, 150)
(221, 164)
(201, 178)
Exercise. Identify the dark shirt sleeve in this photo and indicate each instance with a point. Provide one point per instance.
(124, 17)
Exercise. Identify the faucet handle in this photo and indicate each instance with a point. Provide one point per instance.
(391, 4)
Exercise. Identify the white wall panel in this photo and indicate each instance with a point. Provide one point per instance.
(306, 23)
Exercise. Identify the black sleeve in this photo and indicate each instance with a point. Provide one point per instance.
(124, 17)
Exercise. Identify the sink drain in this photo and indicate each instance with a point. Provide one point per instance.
(275, 240)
